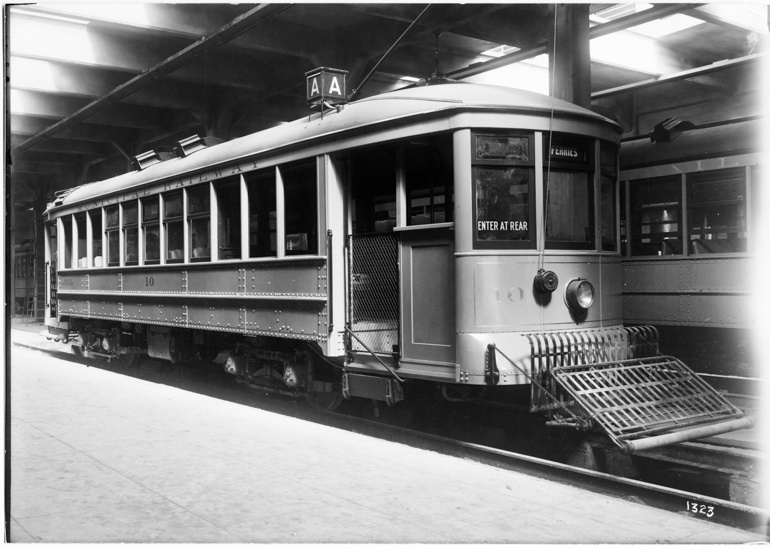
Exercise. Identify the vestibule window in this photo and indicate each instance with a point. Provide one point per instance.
(429, 174)
(262, 219)
(503, 184)
(373, 184)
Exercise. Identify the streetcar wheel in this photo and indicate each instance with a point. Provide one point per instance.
(129, 360)
(324, 402)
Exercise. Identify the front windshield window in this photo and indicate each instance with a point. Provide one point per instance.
(503, 184)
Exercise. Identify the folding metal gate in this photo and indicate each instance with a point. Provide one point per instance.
(618, 379)
(373, 282)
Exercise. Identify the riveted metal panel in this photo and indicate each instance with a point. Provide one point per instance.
(152, 281)
(295, 320)
(286, 278)
(211, 314)
(215, 280)
(721, 275)
(725, 311)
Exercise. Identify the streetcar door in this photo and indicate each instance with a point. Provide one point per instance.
(373, 253)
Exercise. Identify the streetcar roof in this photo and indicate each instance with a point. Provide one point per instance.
(362, 114)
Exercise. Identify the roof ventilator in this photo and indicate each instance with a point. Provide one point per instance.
(189, 145)
(670, 129)
(149, 158)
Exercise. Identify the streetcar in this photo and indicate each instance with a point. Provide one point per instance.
(689, 211)
(459, 236)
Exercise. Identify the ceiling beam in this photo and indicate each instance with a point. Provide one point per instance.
(683, 75)
(656, 12)
(239, 25)
(731, 16)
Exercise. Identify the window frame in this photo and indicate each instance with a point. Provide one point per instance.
(529, 165)
(587, 166)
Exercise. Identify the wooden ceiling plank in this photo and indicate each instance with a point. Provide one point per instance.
(228, 32)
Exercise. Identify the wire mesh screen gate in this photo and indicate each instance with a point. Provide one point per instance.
(373, 292)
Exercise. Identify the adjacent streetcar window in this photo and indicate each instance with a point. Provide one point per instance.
(656, 210)
(717, 211)
(262, 214)
(503, 185)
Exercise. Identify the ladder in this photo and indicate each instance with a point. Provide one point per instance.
(35, 306)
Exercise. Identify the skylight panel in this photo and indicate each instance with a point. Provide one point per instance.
(500, 51)
(667, 25)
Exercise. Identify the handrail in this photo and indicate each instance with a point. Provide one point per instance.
(374, 355)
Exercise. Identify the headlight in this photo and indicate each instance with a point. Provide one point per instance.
(580, 294)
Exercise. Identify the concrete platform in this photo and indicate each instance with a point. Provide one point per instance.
(99, 457)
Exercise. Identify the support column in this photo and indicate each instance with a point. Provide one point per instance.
(569, 54)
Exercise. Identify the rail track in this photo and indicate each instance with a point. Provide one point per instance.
(703, 458)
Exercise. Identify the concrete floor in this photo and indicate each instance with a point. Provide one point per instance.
(99, 457)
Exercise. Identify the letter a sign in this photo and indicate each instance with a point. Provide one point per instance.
(325, 85)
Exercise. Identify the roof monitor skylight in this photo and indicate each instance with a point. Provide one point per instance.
(500, 51)
(666, 26)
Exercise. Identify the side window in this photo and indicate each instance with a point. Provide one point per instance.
(96, 236)
(717, 211)
(609, 176)
(229, 218)
(262, 218)
(656, 211)
(429, 181)
(151, 230)
(131, 232)
(199, 218)
(300, 199)
(82, 232)
(112, 232)
(66, 262)
(173, 224)
(569, 193)
(503, 186)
